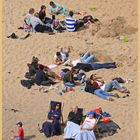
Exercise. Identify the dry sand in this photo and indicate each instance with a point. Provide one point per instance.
(34, 105)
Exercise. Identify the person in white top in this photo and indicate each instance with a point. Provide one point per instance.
(113, 84)
(90, 122)
(61, 56)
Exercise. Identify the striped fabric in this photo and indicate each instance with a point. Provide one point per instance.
(70, 24)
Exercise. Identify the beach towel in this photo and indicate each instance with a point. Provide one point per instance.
(107, 129)
(51, 66)
(72, 131)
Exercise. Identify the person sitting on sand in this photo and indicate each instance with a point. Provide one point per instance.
(73, 24)
(42, 15)
(51, 126)
(34, 67)
(57, 9)
(84, 131)
(68, 79)
(20, 135)
(41, 78)
(113, 84)
(27, 25)
(92, 87)
(38, 25)
(61, 56)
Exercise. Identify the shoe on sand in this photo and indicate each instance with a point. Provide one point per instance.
(110, 99)
(116, 95)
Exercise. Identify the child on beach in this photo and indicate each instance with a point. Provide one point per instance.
(20, 133)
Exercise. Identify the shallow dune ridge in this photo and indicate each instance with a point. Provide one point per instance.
(33, 106)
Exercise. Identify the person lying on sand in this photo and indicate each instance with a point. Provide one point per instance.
(61, 56)
(38, 25)
(20, 135)
(92, 87)
(73, 24)
(94, 66)
(42, 15)
(84, 131)
(84, 58)
(113, 84)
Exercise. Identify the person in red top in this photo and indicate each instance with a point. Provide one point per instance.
(20, 133)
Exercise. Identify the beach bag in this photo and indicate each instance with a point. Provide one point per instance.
(107, 129)
(26, 83)
(105, 119)
(98, 110)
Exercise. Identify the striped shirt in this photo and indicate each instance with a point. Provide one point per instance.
(70, 24)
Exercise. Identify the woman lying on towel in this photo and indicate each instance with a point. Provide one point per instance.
(83, 132)
(92, 87)
(52, 125)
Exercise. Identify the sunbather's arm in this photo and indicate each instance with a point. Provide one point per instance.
(92, 128)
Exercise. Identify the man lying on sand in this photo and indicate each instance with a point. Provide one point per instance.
(113, 84)
(92, 87)
(61, 56)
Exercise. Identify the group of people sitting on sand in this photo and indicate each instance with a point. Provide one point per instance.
(40, 22)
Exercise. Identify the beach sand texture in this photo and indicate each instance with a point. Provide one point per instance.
(33, 105)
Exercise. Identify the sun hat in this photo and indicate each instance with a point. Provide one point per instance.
(90, 113)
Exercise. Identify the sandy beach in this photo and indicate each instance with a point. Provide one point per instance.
(33, 106)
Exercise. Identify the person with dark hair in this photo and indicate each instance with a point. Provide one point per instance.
(93, 87)
(42, 78)
(38, 25)
(42, 15)
(57, 9)
(73, 24)
(68, 79)
(113, 84)
(33, 67)
(52, 126)
(95, 66)
(61, 56)
(20, 135)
